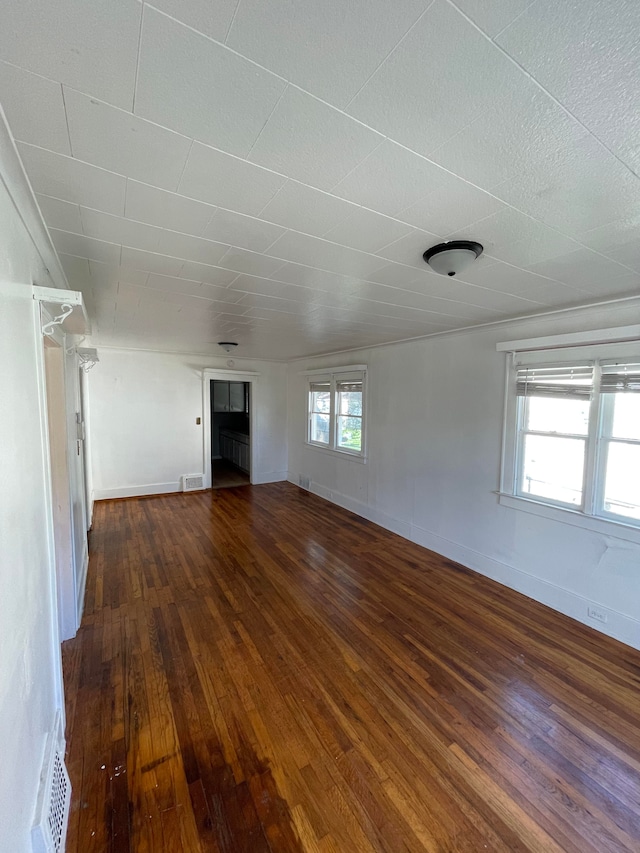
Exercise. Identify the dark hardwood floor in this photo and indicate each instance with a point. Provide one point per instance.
(260, 670)
(224, 475)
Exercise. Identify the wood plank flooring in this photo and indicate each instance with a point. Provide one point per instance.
(225, 475)
(258, 670)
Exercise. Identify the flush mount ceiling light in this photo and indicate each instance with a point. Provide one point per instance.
(227, 346)
(451, 258)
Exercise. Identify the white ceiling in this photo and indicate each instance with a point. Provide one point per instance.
(271, 171)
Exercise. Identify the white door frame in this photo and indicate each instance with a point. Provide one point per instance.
(59, 314)
(49, 500)
(62, 503)
(77, 478)
(208, 374)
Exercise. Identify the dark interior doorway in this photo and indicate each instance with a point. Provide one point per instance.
(230, 433)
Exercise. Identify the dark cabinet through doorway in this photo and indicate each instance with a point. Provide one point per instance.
(230, 428)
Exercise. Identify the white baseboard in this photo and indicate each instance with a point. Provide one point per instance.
(402, 528)
(268, 477)
(137, 491)
(619, 625)
(168, 488)
(83, 583)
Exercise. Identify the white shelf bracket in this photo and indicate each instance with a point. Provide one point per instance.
(65, 307)
(47, 328)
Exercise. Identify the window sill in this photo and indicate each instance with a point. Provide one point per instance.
(604, 526)
(330, 451)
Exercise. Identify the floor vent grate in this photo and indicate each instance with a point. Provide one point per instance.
(54, 798)
(192, 482)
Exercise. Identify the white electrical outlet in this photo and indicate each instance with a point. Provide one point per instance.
(597, 613)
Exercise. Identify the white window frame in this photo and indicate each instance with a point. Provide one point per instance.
(311, 411)
(522, 431)
(333, 376)
(591, 514)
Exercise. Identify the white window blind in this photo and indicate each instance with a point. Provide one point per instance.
(620, 377)
(568, 381)
(351, 385)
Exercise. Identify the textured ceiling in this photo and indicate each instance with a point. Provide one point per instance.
(270, 171)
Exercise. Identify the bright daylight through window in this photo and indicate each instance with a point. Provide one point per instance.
(577, 442)
(336, 411)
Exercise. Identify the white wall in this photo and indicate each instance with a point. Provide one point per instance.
(435, 410)
(29, 651)
(143, 429)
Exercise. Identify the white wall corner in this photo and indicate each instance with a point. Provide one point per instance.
(269, 477)
(299, 480)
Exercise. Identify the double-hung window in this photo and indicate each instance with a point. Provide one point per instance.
(336, 411)
(320, 412)
(619, 457)
(553, 426)
(573, 433)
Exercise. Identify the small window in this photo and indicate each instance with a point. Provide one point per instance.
(336, 411)
(320, 412)
(576, 442)
(553, 428)
(619, 495)
(349, 415)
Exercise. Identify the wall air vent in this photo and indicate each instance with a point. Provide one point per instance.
(54, 797)
(192, 482)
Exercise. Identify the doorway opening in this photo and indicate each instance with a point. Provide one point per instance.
(230, 433)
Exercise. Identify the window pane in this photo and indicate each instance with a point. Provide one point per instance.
(319, 428)
(350, 403)
(626, 416)
(622, 480)
(349, 433)
(549, 414)
(553, 468)
(321, 401)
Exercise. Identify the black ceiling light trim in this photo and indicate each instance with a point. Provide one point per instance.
(453, 247)
(227, 346)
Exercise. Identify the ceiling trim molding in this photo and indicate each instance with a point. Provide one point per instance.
(615, 334)
(14, 178)
(95, 341)
(226, 372)
(347, 368)
(631, 301)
